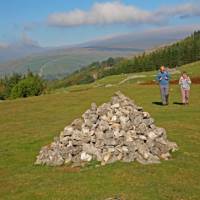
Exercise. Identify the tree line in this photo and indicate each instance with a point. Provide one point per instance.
(18, 85)
(180, 53)
(177, 54)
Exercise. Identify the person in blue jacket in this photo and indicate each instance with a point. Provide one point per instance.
(163, 78)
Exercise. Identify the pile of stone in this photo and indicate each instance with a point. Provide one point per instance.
(115, 131)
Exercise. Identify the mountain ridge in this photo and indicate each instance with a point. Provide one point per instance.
(74, 57)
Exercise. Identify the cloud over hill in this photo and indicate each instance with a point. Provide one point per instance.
(117, 12)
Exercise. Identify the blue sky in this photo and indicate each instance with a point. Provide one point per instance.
(57, 22)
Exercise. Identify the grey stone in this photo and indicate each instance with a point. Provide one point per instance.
(89, 149)
(116, 105)
(110, 142)
(103, 125)
(77, 123)
(105, 158)
(67, 159)
(151, 135)
(93, 106)
(159, 131)
(115, 131)
(141, 128)
(146, 115)
(172, 146)
(137, 120)
(148, 121)
(86, 157)
(109, 134)
(77, 135)
(68, 131)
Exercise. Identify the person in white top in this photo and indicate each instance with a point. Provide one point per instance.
(185, 83)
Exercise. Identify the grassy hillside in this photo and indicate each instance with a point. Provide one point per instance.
(28, 124)
(177, 54)
(192, 69)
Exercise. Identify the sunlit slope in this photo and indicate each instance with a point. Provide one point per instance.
(28, 124)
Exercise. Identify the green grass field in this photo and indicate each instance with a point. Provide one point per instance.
(28, 124)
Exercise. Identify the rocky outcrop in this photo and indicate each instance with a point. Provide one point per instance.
(115, 131)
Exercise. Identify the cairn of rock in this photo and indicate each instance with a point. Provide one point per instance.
(115, 131)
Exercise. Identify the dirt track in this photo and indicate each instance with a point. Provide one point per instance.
(195, 80)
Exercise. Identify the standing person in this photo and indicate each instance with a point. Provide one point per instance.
(185, 82)
(163, 80)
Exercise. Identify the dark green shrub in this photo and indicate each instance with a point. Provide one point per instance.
(87, 79)
(30, 86)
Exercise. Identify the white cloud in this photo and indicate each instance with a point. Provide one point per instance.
(116, 12)
(23, 40)
(184, 10)
(102, 13)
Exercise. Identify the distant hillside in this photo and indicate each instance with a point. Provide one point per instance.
(142, 40)
(57, 62)
(177, 54)
(18, 51)
(60, 62)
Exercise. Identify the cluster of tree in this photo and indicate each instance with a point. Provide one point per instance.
(17, 85)
(87, 74)
(177, 54)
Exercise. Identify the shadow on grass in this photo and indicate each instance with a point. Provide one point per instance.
(157, 103)
(177, 103)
